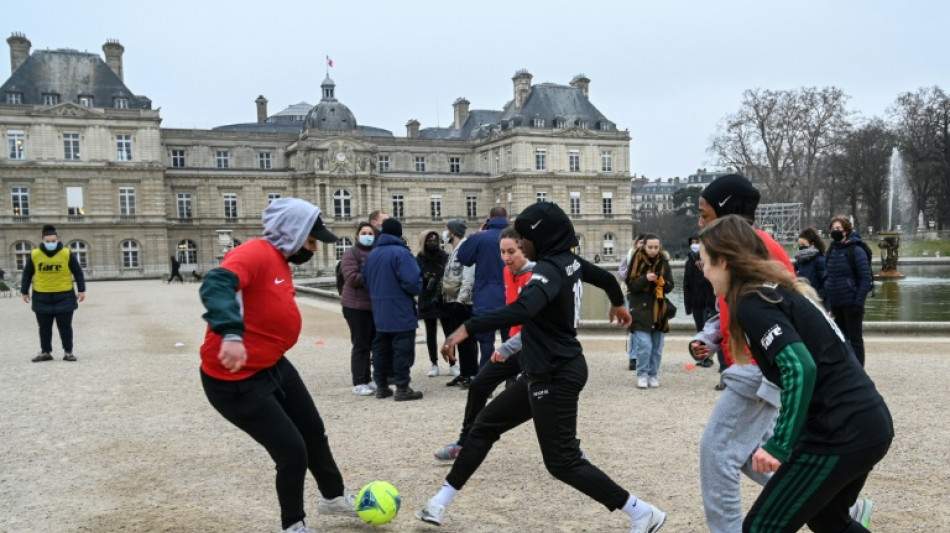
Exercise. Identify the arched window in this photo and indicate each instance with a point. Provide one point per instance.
(187, 252)
(130, 254)
(341, 247)
(21, 254)
(342, 209)
(80, 251)
(608, 244)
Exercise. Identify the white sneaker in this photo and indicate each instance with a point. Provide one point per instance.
(642, 382)
(456, 371)
(432, 513)
(433, 371)
(650, 524)
(861, 511)
(340, 506)
(654, 383)
(299, 527)
(363, 390)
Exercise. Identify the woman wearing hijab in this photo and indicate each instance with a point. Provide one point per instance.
(51, 270)
(554, 370)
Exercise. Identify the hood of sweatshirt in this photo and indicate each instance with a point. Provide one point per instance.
(548, 227)
(287, 223)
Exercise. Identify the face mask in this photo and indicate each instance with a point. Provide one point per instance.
(803, 247)
(694, 248)
(837, 235)
(50, 245)
(300, 257)
(367, 240)
(445, 237)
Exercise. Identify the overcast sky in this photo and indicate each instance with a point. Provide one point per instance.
(667, 71)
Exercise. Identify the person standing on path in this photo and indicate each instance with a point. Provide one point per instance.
(51, 270)
(253, 321)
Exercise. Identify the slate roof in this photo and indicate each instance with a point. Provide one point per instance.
(70, 73)
(547, 101)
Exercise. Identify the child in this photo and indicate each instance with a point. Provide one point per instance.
(833, 426)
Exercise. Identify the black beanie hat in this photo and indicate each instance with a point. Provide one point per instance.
(732, 194)
(49, 230)
(391, 226)
(457, 226)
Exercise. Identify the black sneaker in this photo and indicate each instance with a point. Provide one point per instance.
(405, 394)
(465, 383)
(42, 357)
(456, 381)
(69, 357)
(705, 363)
(383, 393)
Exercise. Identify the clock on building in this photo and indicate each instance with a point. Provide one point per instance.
(341, 156)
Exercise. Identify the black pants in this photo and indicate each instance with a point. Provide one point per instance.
(467, 349)
(551, 400)
(850, 320)
(362, 332)
(64, 323)
(275, 409)
(175, 274)
(393, 356)
(484, 384)
(816, 490)
(432, 334)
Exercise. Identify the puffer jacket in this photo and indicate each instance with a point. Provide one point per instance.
(641, 295)
(393, 278)
(355, 295)
(847, 285)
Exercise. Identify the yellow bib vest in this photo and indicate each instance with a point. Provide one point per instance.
(52, 273)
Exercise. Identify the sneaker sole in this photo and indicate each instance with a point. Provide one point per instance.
(659, 524)
(427, 519)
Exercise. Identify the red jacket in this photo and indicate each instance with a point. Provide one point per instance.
(513, 285)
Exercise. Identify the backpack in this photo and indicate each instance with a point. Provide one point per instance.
(849, 252)
(340, 281)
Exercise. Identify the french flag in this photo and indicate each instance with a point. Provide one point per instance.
(329, 62)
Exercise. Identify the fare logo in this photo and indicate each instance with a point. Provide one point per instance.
(573, 267)
(770, 335)
(44, 267)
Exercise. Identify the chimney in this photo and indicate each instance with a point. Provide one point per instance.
(19, 50)
(412, 129)
(261, 109)
(581, 82)
(113, 51)
(522, 80)
(461, 112)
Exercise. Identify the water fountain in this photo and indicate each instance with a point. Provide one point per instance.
(890, 239)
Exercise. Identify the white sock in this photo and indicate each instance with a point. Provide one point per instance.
(637, 509)
(445, 495)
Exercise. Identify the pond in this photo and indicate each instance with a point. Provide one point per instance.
(923, 296)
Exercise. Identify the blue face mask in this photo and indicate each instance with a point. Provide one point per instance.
(50, 245)
(367, 240)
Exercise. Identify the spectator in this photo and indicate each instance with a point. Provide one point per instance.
(457, 283)
(176, 270)
(358, 310)
(649, 282)
(809, 261)
(848, 282)
(432, 259)
(698, 297)
(481, 250)
(393, 278)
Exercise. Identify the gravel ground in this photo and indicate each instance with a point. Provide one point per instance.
(124, 441)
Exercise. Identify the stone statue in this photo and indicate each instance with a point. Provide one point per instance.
(888, 254)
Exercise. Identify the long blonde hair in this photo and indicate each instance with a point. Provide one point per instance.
(732, 239)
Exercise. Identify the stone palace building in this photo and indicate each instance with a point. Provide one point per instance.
(86, 154)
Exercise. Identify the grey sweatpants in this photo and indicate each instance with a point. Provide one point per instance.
(741, 421)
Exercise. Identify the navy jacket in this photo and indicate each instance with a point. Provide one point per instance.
(846, 285)
(481, 250)
(811, 266)
(393, 278)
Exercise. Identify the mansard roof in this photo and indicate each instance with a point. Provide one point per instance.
(70, 74)
(551, 101)
(476, 125)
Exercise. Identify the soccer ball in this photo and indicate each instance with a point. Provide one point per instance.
(378, 502)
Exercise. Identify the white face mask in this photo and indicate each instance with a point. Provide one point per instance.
(445, 236)
(694, 248)
(50, 245)
(367, 240)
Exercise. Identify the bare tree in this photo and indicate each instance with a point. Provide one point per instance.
(783, 139)
(861, 169)
(923, 123)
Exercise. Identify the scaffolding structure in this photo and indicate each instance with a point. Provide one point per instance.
(782, 221)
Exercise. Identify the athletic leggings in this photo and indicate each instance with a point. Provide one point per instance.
(274, 407)
(551, 401)
(481, 388)
(432, 341)
(816, 490)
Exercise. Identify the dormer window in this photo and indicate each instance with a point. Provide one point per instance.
(121, 103)
(14, 98)
(559, 123)
(537, 122)
(50, 98)
(85, 100)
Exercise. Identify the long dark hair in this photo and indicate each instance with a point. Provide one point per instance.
(811, 235)
(732, 239)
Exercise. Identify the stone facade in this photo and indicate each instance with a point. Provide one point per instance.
(197, 192)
